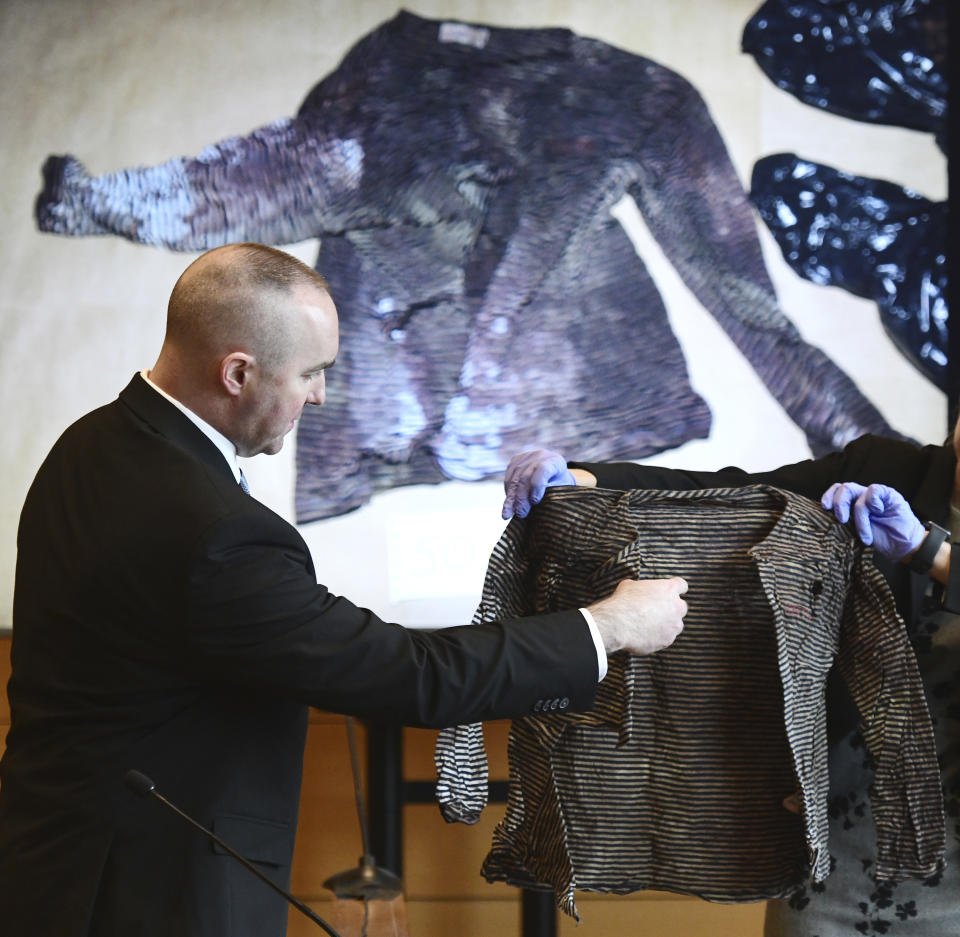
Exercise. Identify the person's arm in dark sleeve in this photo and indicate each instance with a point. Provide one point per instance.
(256, 618)
(865, 460)
(809, 478)
(624, 476)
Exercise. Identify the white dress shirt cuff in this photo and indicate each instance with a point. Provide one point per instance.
(598, 643)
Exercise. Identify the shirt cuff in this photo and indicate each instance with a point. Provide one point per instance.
(598, 643)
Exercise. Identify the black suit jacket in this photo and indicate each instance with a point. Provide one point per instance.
(167, 621)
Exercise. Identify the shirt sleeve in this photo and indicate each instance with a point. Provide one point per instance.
(598, 643)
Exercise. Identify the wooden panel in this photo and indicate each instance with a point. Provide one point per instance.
(433, 919)
(418, 747)
(299, 925)
(442, 860)
(328, 837)
(654, 914)
(601, 917)
(464, 918)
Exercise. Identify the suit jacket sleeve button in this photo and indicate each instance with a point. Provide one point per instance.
(564, 703)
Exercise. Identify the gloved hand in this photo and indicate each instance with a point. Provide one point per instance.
(881, 517)
(528, 475)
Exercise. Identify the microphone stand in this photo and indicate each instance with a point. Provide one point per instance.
(140, 784)
(367, 882)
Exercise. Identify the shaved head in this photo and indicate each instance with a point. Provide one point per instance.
(250, 334)
(236, 298)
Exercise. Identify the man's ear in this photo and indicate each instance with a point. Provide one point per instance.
(235, 369)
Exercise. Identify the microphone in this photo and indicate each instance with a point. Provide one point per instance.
(141, 785)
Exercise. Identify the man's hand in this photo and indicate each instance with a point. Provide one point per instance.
(528, 475)
(641, 616)
(881, 517)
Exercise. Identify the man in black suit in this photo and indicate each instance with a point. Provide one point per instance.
(166, 620)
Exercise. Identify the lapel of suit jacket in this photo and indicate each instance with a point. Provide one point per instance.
(164, 418)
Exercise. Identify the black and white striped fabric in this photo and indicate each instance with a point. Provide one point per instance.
(676, 779)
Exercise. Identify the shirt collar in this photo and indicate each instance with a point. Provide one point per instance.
(227, 448)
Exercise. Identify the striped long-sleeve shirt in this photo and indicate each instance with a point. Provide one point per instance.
(676, 779)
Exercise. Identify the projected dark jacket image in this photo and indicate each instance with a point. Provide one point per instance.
(871, 237)
(460, 179)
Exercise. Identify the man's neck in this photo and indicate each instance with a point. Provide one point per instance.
(225, 446)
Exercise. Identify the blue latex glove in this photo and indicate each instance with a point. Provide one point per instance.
(528, 476)
(881, 516)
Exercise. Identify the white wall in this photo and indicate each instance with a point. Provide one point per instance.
(135, 82)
